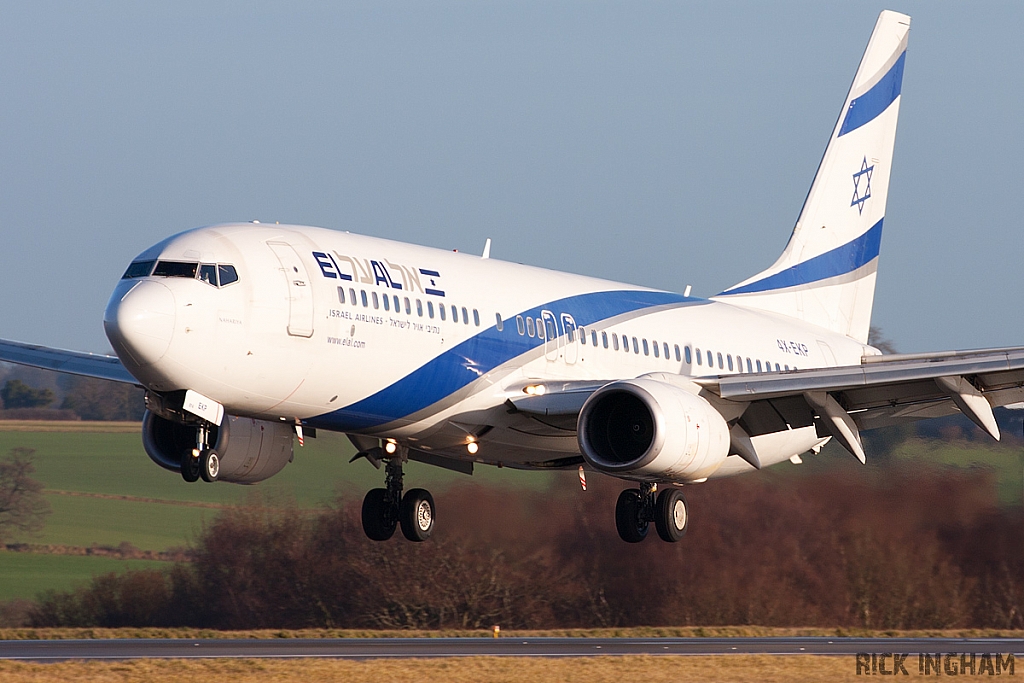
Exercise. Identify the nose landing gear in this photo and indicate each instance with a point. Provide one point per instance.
(385, 509)
(202, 461)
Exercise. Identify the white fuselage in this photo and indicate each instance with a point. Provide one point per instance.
(346, 332)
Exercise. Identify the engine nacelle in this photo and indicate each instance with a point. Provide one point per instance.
(250, 450)
(652, 430)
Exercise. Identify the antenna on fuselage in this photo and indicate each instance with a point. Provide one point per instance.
(487, 249)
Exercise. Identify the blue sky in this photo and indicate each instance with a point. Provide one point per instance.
(657, 143)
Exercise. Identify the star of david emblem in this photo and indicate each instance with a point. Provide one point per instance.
(862, 194)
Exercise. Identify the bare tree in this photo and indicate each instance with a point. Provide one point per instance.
(878, 339)
(22, 506)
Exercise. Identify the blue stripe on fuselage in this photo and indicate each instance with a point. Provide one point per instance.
(839, 261)
(456, 368)
(865, 108)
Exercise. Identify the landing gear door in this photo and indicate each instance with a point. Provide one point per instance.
(571, 334)
(550, 330)
(300, 291)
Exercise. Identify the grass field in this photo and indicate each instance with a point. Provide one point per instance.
(104, 490)
(23, 575)
(738, 668)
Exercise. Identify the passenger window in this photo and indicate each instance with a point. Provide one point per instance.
(228, 274)
(362, 296)
(729, 359)
(176, 269)
(430, 309)
(699, 361)
(721, 365)
(208, 274)
(408, 307)
(352, 296)
(387, 302)
(455, 314)
(665, 346)
(647, 349)
(655, 344)
(138, 269)
(777, 368)
(441, 310)
(398, 309)
(636, 347)
(759, 366)
(520, 326)
(419, 308)
(540, 328)
(497, 320)
(465, 316)
(529, 327)
(615, 341)
(341, 295)
(687, 352)
(583, 336)
(604, 339)
(476, 317)
(593, 338)
(376, 301)
(549, 327)
(749, 367)
(787, 368)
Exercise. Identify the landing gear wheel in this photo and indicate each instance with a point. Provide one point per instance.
(378, 521)
(629, 520)
(190, 467)
(417, 515)
(672, 515)
(209, 466)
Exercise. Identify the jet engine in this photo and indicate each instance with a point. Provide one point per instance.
(250, 450)
(651, 430)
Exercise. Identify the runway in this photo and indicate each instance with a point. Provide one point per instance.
(382, 648)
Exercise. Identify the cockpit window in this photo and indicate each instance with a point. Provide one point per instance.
(138, 269)
(208, 274)
(175, 269)
(227, 274)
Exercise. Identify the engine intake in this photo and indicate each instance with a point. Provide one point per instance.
(250, 450)
(650, 429)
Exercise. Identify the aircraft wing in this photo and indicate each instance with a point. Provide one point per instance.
(881, 391)
(72, 362)
(886, 390)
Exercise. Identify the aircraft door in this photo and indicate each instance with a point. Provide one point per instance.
(550, 326)
(300, 294)
(571, 335)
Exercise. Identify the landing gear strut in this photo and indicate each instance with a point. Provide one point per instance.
(385, 509)
(201, 461)
(637, 508)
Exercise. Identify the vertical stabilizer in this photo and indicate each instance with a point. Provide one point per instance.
(826, 275)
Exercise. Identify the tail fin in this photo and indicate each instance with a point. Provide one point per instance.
(826, 275)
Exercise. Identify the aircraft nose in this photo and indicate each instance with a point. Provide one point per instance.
(139, 322)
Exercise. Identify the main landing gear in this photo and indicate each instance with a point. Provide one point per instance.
(385, 509)
(637, 508)
(202, 461)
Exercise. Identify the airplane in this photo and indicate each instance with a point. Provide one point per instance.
(246, 335)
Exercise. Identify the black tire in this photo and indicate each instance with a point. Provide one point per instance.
(190, 467)
(671, 515)
(627, 517)
(378, 522)
(417, 515)
(209, 466)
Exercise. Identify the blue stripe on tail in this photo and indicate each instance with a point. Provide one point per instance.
(839, 261)
(865, 108)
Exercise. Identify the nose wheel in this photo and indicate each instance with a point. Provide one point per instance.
(384, 510)
(202, 462)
